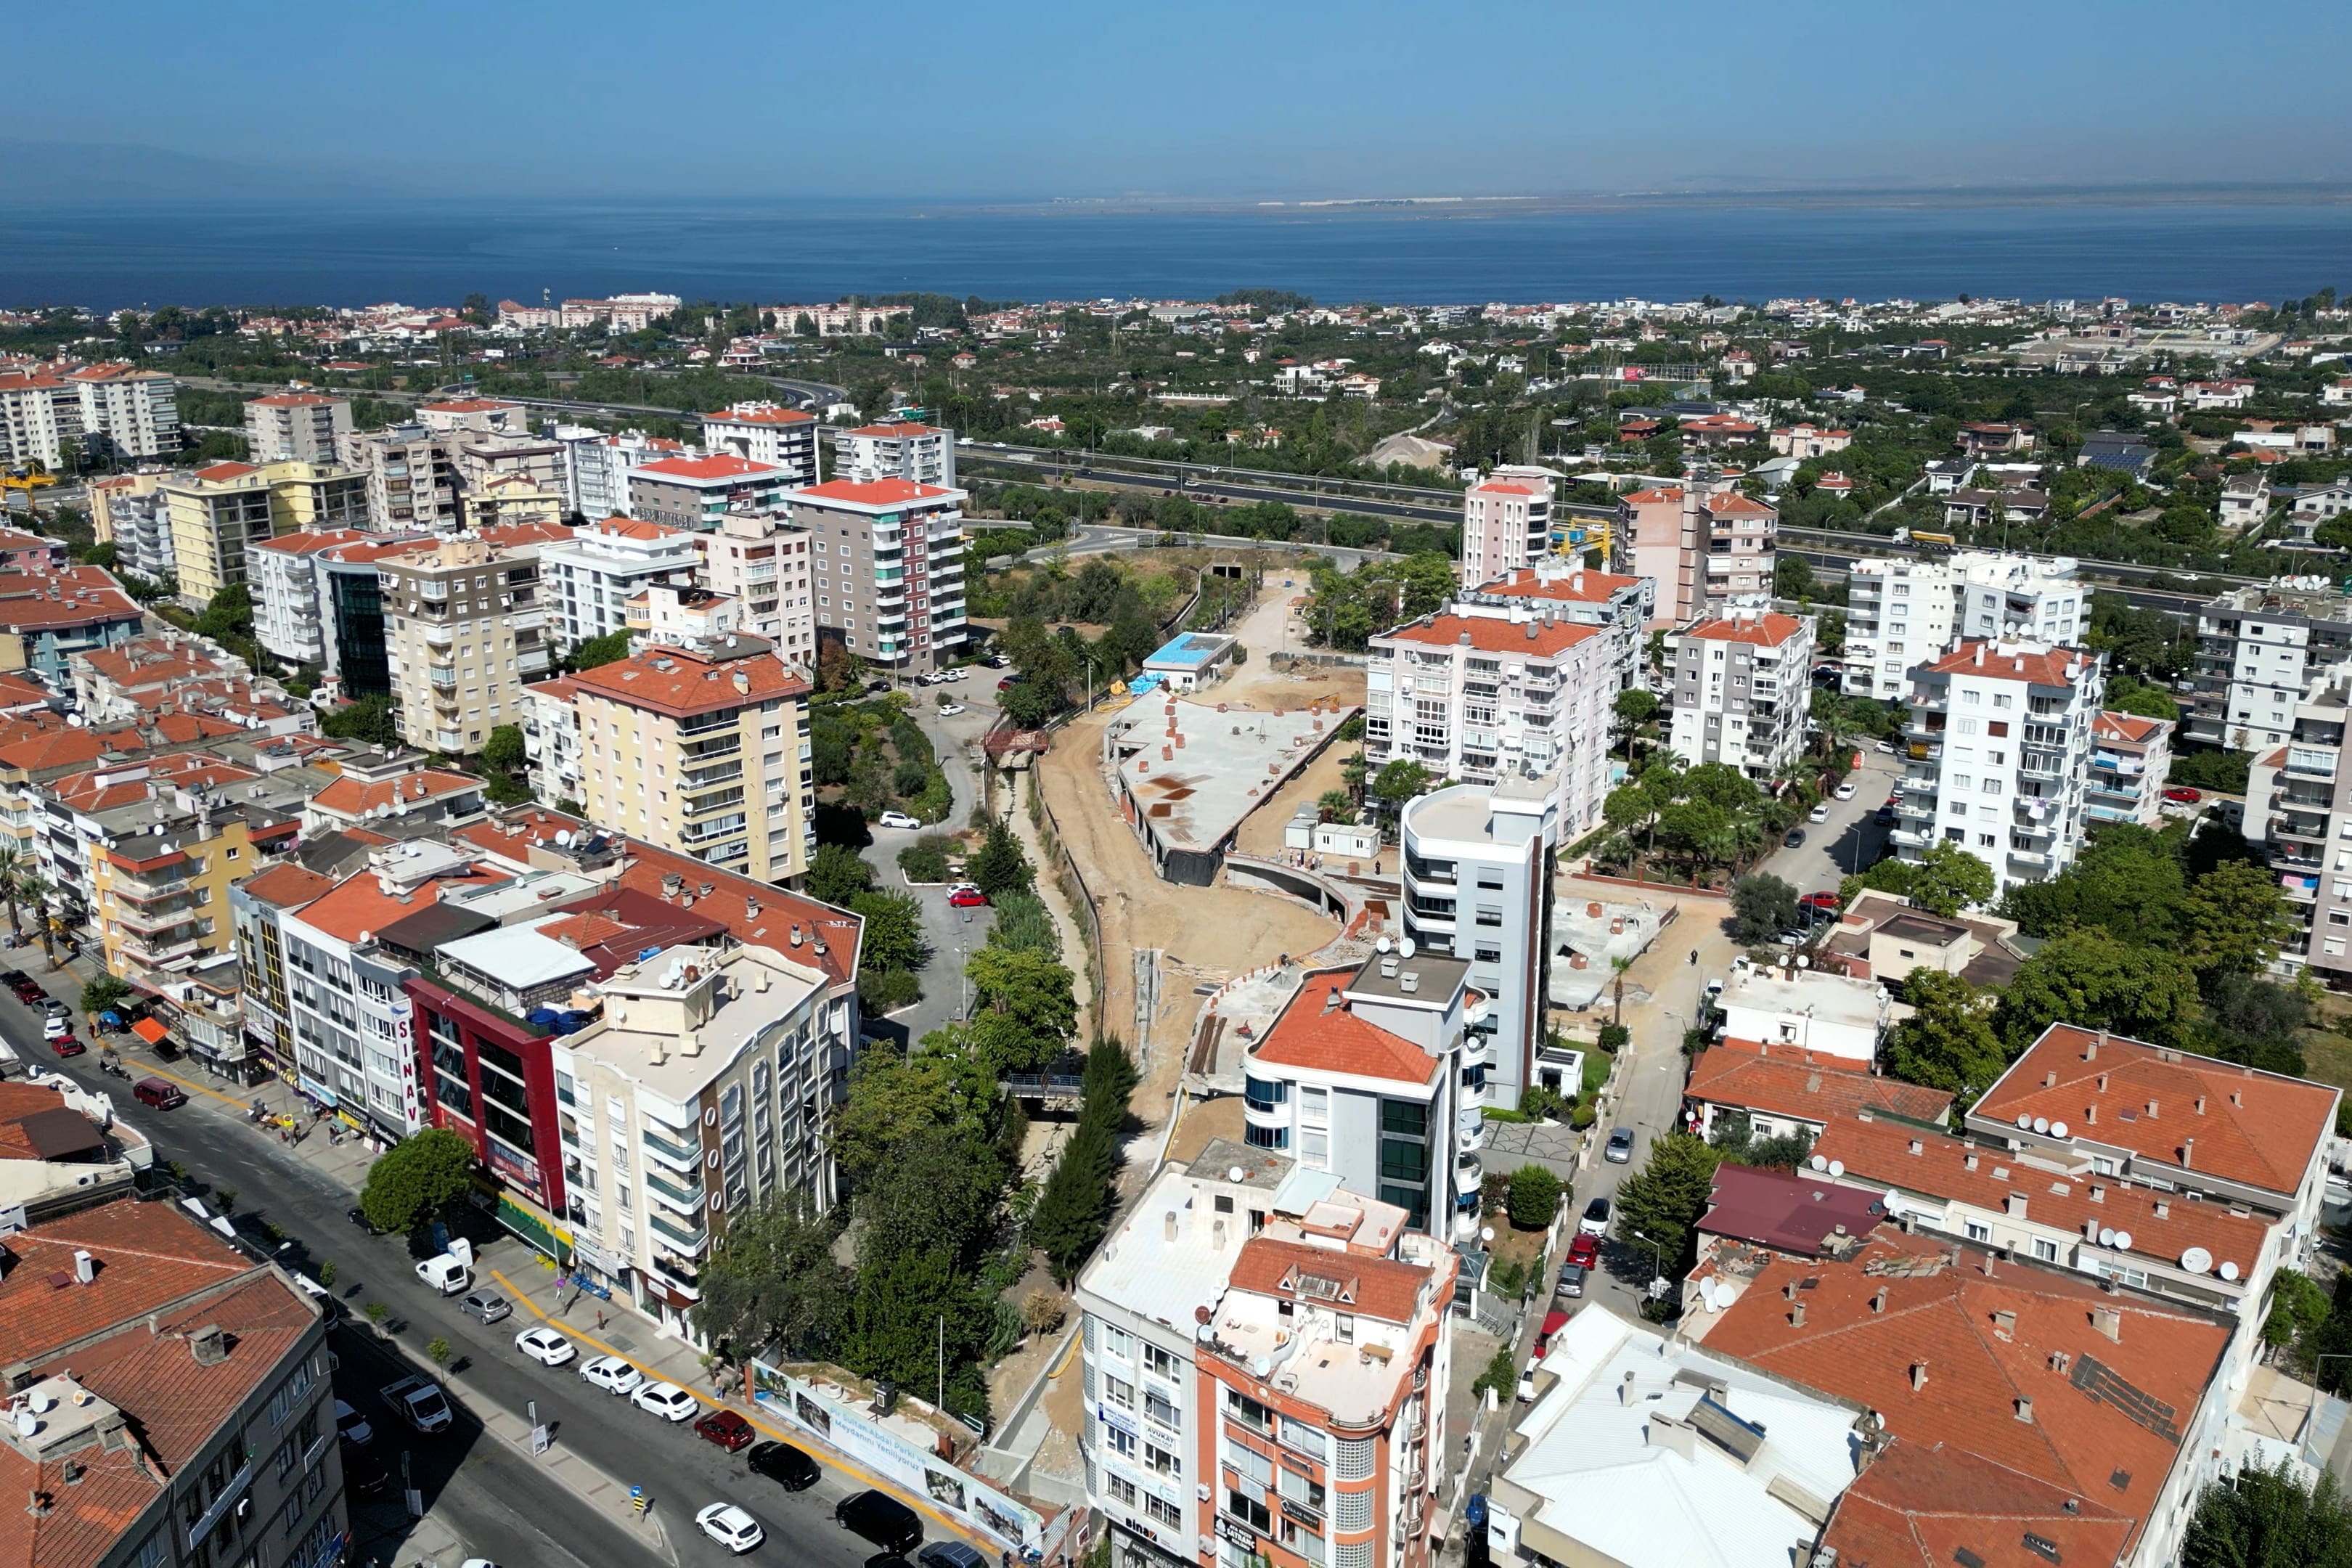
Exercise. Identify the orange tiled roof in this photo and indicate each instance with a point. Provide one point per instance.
(1385, 1288)
(1787, 1080)
(872, 493)
(310, 542)
(2113, 726)
(1578, 588)
(1924, 1505)
(2107, 1416)
(1489, 634)
(358, 906)
(673, 681)
(221, 473)
(633, 528)
(288, 886)
(901, 430)
(2040, 665)
(1507, 487)
(2255, 1127)
(723, 467)
(761, 416)
(292, 400)
(352, 798)
(1767, 630)
(1310, 1034)
(729, 902)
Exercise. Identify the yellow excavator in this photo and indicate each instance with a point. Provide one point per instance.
(30, 479)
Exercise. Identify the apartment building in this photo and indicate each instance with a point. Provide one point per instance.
(768, 433)
(175, 1398)
(596, 467)
(166, 858)
(47, 618)
(1701, 542)
(1370, 1075)
(1295, 1416)
(2130, 756)
(475, 416)
(2299, 809)
(1477, 866)
(919, 454)
(551, 739)
(40, 415)
(288, 620)
(763, 562)
(411, 475)
(2258, 649)
(620, 313)
(1505, 527)
(216, 513)
(889, 562)
(703, 1089)
(694, 493)
(665, 614)
(1900, 611)
(297, 427)
(460, 638)
(128, 415)
(1620, 606)
(1804, 441)
(1483, 698)
(111, 495)
(1998, 756)
(140, 527)
(591, 577)
(1742, 690)
(703, 750)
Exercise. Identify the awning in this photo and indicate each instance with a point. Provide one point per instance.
(149, 1030)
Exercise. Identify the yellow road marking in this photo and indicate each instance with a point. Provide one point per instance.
(798, 1439)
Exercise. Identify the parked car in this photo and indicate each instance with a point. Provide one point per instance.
(949, 1554)
(959, 673)
(726, 1429)
(1794, 839)
(1885, 746)
(1596, 1213)
(418, 1401)
(1572, 1277)
(1884, 814)
(367, 1475)
(1621, 1148)
(968, 899)
(786, 1466)
(1554, 1320)
(351, 1427)
(357, 1217)
(56, 1024)
(950, 709)
(67, 1046)
(612, 1374)
(159, 1094)
(880, 1519)
(898, 819)
(667, 1400)
(2181, 794)
(731, 1527)
(1843, 791)
(57, 1009)
(1793, 938)
(1584, 1250)
(488, 1305)
(545, 1346)
(1819, 814)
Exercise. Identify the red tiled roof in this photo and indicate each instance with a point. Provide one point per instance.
(674, 681)
(292, 400)
(1789, 1214)
(729, 903)
(2113, 726)
(724, 467)
(1385, 1288)
(1489, 634)
(1986, 1336)
(147, 1255)
(221, 473)
(1737, 505)
(1576, 587)
(352, 797)
(759, 416)
(310, 542)
(2254, 1128)
(888, 431)
(872, 493)
(1924, 1505)
(633, 528)
(1788, 1081)
(2160, 1224)
(1655, 497)
(1770, 629)
(289, 887)
(563, 689)
(1310, 1034)
(358, 907)
(1508, 487)
(469, 406)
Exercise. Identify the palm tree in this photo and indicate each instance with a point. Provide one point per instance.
(35, 892)
(1618, 967)
(1353, 773)
(12, 865)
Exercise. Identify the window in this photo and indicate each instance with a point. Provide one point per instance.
(1119, 1392)
(2047, 1251)
(1161, 1462)
(1248, 1412)
(1249, 1464)
(1163, 1510)
(1122, 1440)
(1121, 1488)
(1407, 1117)
(1976, 1232)
(1240, 1506)
(1163, 1410)
(1159, 1362)
(1313, 1105)
(1308, 1440)
(1302, 1489)
(1315, 1149)
(1117, 1343)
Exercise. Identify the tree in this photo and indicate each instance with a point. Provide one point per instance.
(416, 1178)
(2126, 880)
(1023, 924)
(610, 649)
(1792, 578)
(503, 752)
(1946, 880)
(1761, 904)
(1534, 1199)
(2235, 919)
(837, 874)
(370, 719)
(2267, 1519)
(1661, 1202)
(773, 1280)
(12, 875)
(1002, 864)
(2095, 980)
(1027, 987)
(102, 994)
(1633, 708)
(895, 1097)
(1400, 782)
(893, 937)
(1947, 1043)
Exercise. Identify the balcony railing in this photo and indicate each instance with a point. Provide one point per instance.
(685, 1156)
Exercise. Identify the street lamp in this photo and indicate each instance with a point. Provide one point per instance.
(1658, 1276)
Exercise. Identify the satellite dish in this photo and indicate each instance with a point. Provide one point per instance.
(1236, 1173)
(1382, 945)
(1486, 1233)
(2107, 1237)
(2123, 1241)
(77, 720)
(1837, 1167)
(1893, 1200)
(2057, 1129)
(2041, 1124)
(563, 836)
(1707, 1294)
(2197, 1261)
(1804, 960)
(2229, 1272)
(27, 1424)
(1404, 947)
(1820, 1162)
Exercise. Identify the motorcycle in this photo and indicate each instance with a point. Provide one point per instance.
(112, 1068)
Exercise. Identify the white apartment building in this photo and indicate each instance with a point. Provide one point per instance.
(589, 579)
(551, 739)
(297, 427)
(289, 619)
(1506, 525)
(474, 416)
(1703, 545)
(1741, 688)
(766, 433)
(1998, 756)
(1621, 608)
(462, 621)
(1830, 1016)
(412, 478)
(1481, 697)
(888, 560)
(2130, 758)
(1477, 868)
(127, 413)
(919, 454)
(596, 466)
(2299, 809)
(38, 414)
(2258, 649)
(1900, 611)
(762, 561)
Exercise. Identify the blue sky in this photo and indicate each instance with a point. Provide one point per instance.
(1210, 100)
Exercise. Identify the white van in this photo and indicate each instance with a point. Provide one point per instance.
(451, 1272)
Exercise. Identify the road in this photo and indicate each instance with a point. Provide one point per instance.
(1102, 538)
(500, 1502)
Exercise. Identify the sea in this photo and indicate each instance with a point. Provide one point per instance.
(252, 252)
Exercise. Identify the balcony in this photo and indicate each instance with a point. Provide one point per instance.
(439, 636)
(686, 1157)
(1907, 839)
(690, 1240)
(1468, 1172)
(162, 949)
(687, 1199)
(702, 779)
(146, 889)
(154, 920)
(2032, 858)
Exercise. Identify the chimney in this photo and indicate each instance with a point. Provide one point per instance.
(1917, 1146)
(2050, 1078)
(2109, 1322)
(209, 1344)
(2188, 1153)
(2163, 1209)
(2090, 1116)
(2098, 1193)
(2103, 1083)
(1789, 1291)
(2004, 1324)
(1918, 1375)
(1625, 1389)
(1168, 1227)
(1796, 1316)
(2151, 1111)
(1878, 1300)
(2200, 1105)
(84, 1266)
(689, 1044)
(2017, 1205)
(1970, 1161)
(2025, 1410)
(2090, 1051)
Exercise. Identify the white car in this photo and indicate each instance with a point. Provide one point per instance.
(612, 1374)
(1844, 792)
(731, 1527)
(960, 672)
(545, 1346)
(950, 709)
(667, 1400)
(351, 1427)
(898, 819)
(55, 1027)
(1819, 814)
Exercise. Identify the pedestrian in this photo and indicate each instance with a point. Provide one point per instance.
(600, 1322)
(281, 1135)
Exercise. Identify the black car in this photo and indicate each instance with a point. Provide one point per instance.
(880, 1519)
(1795, 839)
(368, 1475)
(357, 1217)
(784, 1464)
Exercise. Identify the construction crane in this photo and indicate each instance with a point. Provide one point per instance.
(28, 480)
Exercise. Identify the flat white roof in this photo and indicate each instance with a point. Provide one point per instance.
(518, 957)
(1137, 1271)
(1830, 999)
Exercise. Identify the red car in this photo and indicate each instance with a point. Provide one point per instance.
(68, 1045)
(968, 899)
(1585, 1250)
(2181, 794)
(1819, 900)
(1553, 1322)
(727, 1429)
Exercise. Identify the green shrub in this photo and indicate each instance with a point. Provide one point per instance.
(1615, 1038)
(925, 859)
(1583, 1116)
(1535, 1197)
